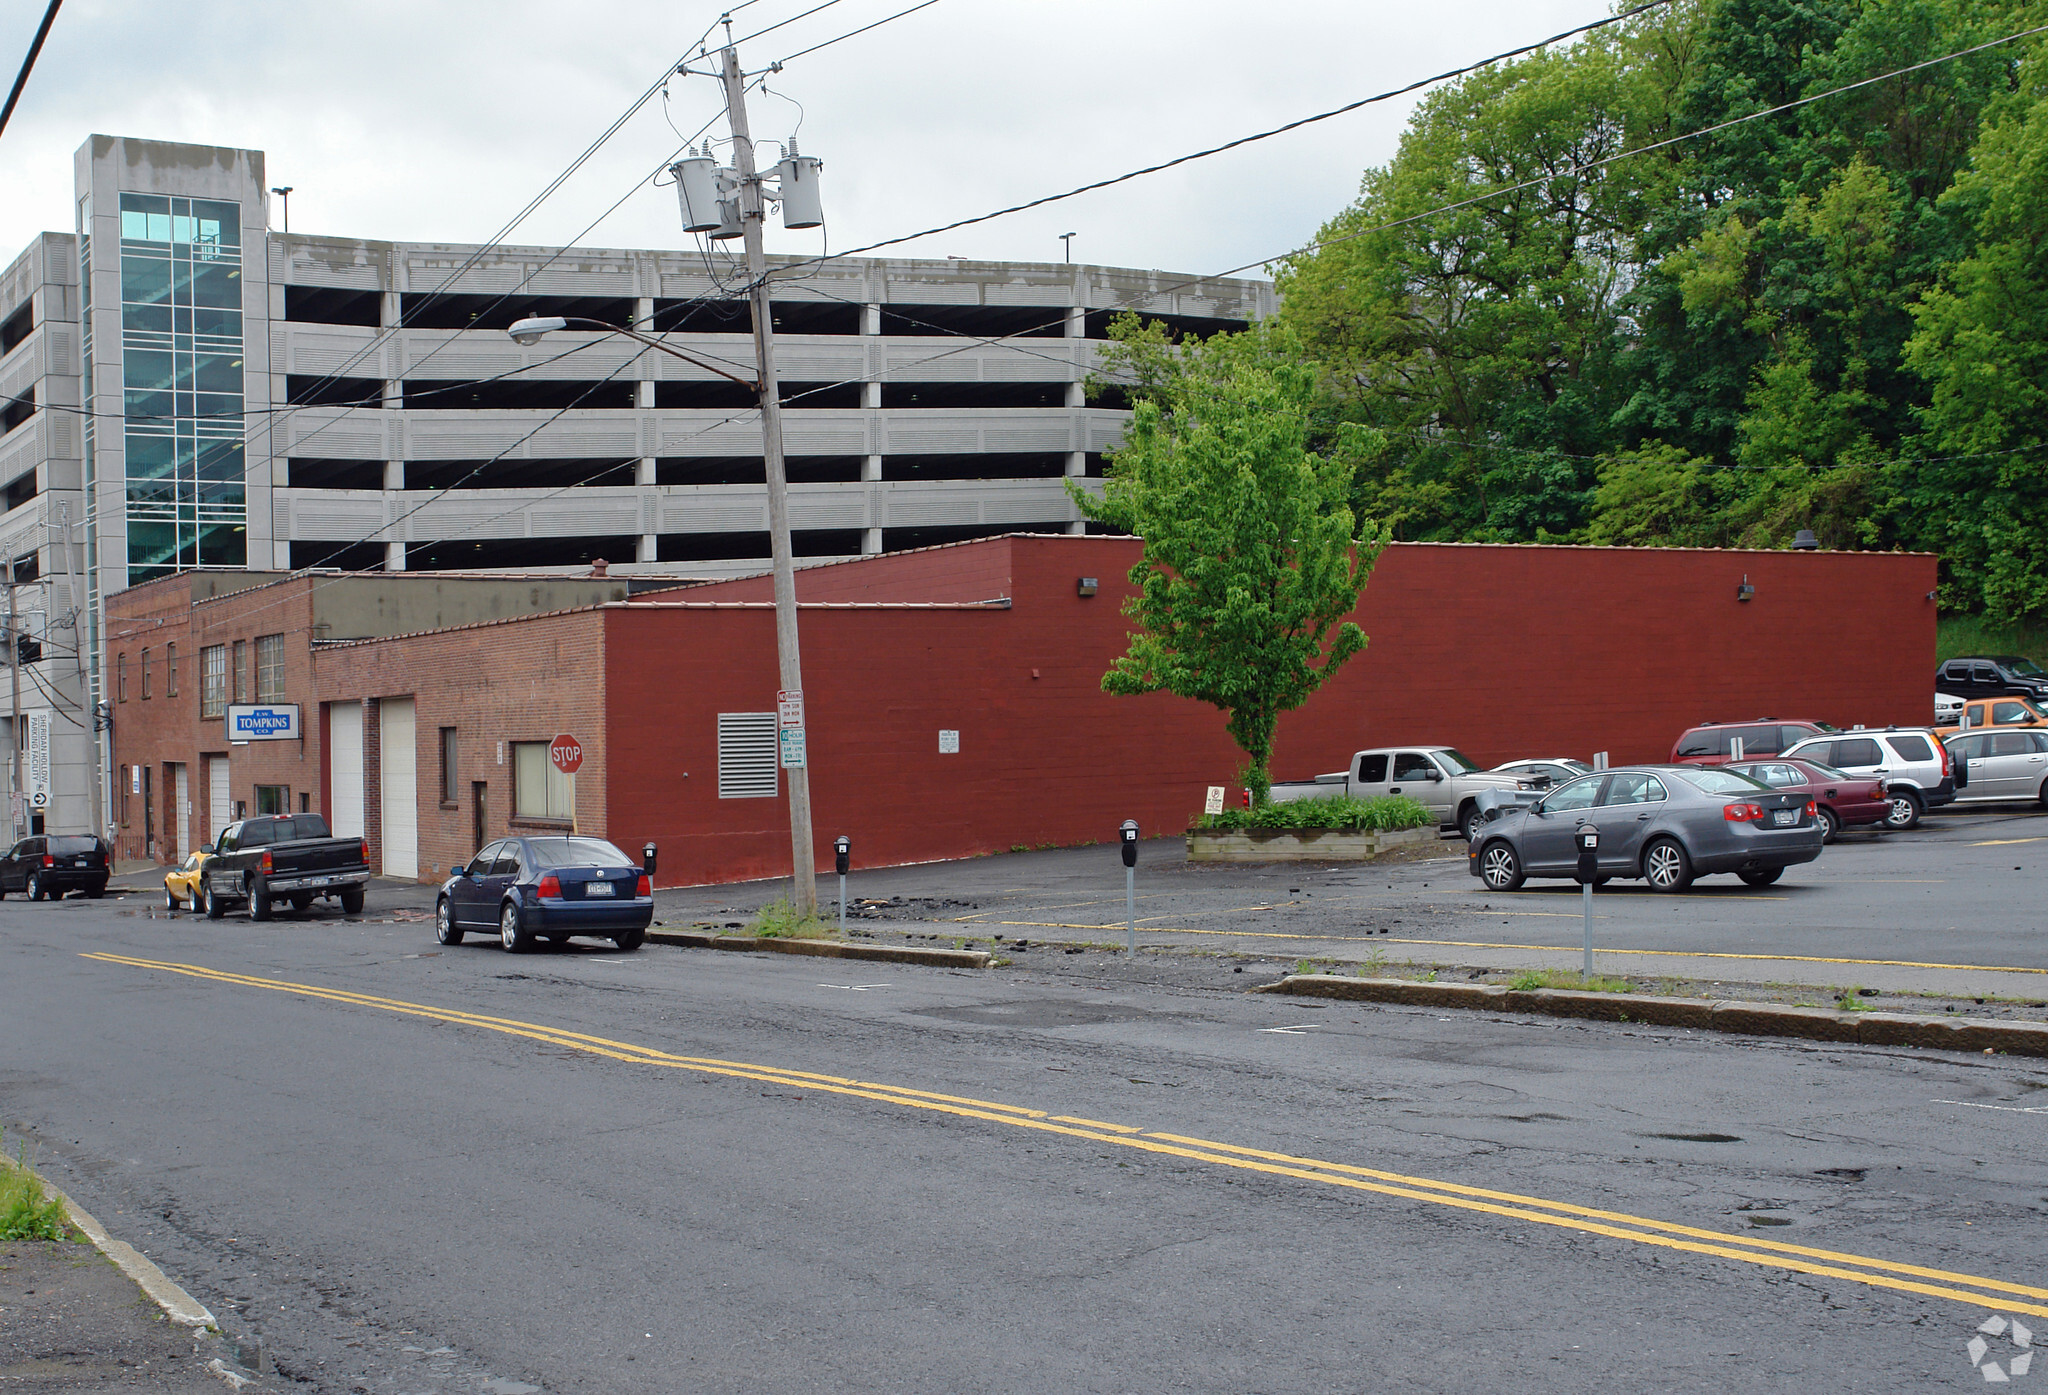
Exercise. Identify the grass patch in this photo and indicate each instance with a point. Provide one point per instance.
(1959, 635)
(779, 920)
(27, 1212)
(1337, 813)
(1532, 979)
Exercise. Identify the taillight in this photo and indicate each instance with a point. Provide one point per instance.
(1812, 809)
(1944, 756)
(550, 885)
(49, 861)
(267, 868)
(646, 887)
(1742, 813)
(366, 850)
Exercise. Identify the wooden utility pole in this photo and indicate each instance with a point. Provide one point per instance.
(753, 215)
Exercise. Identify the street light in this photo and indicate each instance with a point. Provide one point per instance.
(285, 192)
(528, 331)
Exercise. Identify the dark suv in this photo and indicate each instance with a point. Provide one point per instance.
(1713, 743)
(2001, 675)
(43, 866)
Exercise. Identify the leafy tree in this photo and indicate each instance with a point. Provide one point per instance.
(1252, 554)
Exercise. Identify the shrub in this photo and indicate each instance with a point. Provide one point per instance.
(26, 1212)
(778, 919)
(1338, 813)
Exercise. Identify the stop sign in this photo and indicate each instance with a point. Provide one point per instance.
(567, 754)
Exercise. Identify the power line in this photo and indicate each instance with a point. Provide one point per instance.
(35, 48)
(802, 52)
(733, 43)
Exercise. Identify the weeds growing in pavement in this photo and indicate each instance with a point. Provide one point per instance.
(27, 1212)
(1303, 966)
(1531, 979)
(1375, 960)
(779, 920)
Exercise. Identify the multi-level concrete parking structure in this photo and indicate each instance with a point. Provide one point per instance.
(187, 389)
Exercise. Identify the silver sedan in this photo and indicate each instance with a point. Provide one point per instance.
(1665, 824)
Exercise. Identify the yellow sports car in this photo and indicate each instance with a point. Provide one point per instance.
(181, 884)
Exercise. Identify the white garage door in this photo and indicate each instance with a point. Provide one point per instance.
(399, 789)
(181, 818)
(345, 767)
(219, 812)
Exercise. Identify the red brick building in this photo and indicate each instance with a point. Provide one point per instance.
(426, 700)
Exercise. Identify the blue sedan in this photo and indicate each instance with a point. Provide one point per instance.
(547, 888)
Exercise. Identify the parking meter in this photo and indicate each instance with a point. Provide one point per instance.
(1128, 832)
(842, 854)
(1589, 852)
(647, 851)
(1127, 836)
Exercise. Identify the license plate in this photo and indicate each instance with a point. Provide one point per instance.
(1784, 818)
(81, 863)
(597, 889)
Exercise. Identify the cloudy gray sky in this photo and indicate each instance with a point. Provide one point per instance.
(439, 119)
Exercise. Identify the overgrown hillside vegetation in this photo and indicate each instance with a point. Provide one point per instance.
(1572, 311)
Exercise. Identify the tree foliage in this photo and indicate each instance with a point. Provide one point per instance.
(1253, 556)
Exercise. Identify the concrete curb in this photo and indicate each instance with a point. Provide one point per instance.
(825, 949)
(179, 1306)
(1754, 1019)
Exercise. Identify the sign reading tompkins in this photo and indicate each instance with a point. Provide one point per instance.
(264, 722)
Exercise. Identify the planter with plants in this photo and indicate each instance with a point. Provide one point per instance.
(1337, 829)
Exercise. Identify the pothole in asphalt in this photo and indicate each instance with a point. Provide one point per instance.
(1037, 1012)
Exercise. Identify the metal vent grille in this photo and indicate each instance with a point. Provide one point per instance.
(746, 755)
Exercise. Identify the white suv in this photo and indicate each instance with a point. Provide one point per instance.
(1911, 761)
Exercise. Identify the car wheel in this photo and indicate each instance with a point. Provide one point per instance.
(1500, 868)
(446, 931)
(214, 909)
(1830, 825)
(351, 900)
(1905, 810)
(1761, 876)
(259, 901)
(1666, 867)
(1469, 820)
(512, 933)
(34, 888)
(302, 901)
(96, 892)
(630, 939)
(2044, 801)
(171, 901)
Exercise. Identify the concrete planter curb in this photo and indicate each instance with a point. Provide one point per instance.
(1753, 1019)
(179, 1306)
(1298, 845)
(825, 949)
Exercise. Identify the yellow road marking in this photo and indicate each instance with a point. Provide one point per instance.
(1877, 1273)
(2003, 842)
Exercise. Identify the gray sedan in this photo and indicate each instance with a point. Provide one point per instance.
(1665, 824)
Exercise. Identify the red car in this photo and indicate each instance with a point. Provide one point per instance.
(1713, 743)
(1841, 800)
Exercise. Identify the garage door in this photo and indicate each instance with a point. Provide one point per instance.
(218, 811)
(181, 814)
(398, 788)
(345, 767)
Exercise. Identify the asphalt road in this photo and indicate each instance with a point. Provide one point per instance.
(405, 1169)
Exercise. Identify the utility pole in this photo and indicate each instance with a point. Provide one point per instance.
(95, 785)
(14, 724)
(753, 217)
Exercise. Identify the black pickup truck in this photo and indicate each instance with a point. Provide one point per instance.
(284, 857)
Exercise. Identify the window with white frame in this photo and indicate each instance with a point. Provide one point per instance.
(213, 680)
(539, 791)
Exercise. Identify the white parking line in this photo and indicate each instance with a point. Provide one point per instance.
(854, 987)
(2002, 1108)
(1293, 1031)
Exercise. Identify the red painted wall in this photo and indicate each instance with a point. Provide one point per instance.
(1502, 651)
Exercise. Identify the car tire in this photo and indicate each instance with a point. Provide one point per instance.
(1905, 812)
(630, 940)
(2044, 801)
(512, 931)
(214, 909)
(33, 888)
(171, 901)
(1469, 819)
(1500, 868)
(259, 901)
(302, 901)
(96, 892)
(446, 931)
(1830, 824)
(1666, 866)
(351, 900)
(1761, 876)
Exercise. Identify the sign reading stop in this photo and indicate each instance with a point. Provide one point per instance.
(567, 754)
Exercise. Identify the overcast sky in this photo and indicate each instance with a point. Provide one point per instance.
(439, 119)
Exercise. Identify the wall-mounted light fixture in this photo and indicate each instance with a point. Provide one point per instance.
(1745, 590)
(1085, 587)
(1932, 594)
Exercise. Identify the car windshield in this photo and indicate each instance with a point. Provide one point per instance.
(576, 852)
(1457, 762)
(74, 845)
(2025, 668)
(1719, 781)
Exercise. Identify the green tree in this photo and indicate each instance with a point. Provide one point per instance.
(1252, 555)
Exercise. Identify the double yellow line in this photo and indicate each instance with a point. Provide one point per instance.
(1968, 1289)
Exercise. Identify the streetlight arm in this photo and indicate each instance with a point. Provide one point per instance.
(529, 331)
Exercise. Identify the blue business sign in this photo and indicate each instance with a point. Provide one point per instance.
(264, 722)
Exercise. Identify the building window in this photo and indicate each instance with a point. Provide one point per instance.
(450, 767)
(213, 680)
(241, 670)
(145, 675)
(539, 791)
(747, 755)
(121, 678)
(124, 796)
(270, 669)
(170, 670)
(273, 799)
